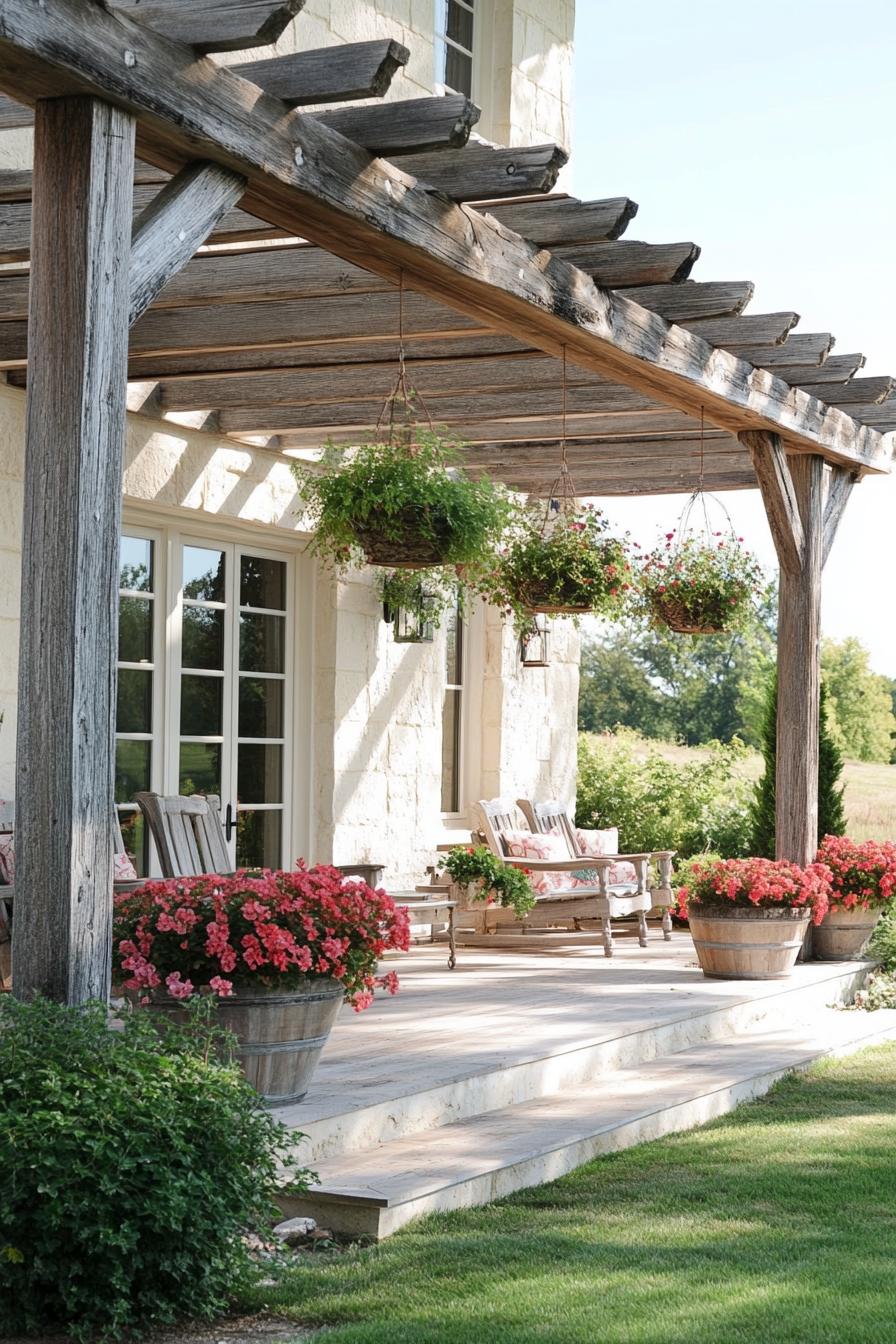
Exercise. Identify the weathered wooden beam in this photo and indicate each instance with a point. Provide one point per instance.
(214, 25)
(853, 391)
(880, 415)
(174, 224)
(773, 473)
(449, 409)
(484, 173)
(799, 638)
(13, 114)
(840, 484)
(411, 126)
(693, 298)
(342, 73)
(672, 451)
(752, 328)
(370, 383)
(614, 265)
(84, 165)
(234, 227)
(835, 369)
(625, 483)
(555, 220)
(259, 325)
(306, 178)
(800, 348)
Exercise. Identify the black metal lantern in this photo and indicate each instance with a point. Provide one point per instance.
(534, 642)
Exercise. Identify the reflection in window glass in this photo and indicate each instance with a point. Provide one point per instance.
(451, 712)
(203, 575)
(455, 36)
(136, 557)
(262, 583)
(201, 706)
(135, 630)
(200, 768)
(202, 638)
(262, 643)
(261, 707)
(132, 762)
(259, 773)
(134, 709)
(258, 839)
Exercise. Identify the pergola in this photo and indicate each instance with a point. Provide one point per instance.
(283, 330)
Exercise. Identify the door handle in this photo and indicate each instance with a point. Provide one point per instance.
(231, 821)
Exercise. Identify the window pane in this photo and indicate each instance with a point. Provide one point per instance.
(450, 752)
(135, 570)
(258, 842)
(262, 583)
(132, 766)
(134, 630)
(203, 638)
(259, 773)
(201, 706)
(200, 768)
(458, 71)
(454, 650)
(261, 707)
(134, 714)
(460, 25)
(133, 833)
(262, 643)
(203, 574)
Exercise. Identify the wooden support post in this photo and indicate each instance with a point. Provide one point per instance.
(78, 315)
(799, 671)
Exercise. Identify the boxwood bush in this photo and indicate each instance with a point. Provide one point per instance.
(132, 1161)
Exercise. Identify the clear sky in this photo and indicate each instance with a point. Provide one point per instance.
(765, 133)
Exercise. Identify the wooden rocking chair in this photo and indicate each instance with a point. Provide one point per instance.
(552, 816)
(603, 901)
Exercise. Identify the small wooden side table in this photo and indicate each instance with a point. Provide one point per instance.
(428, 909)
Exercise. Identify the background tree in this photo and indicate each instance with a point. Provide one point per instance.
(831, 814)
(860, 702)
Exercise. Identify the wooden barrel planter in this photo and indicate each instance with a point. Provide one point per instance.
(281, 1035)
(843, 934)
(741, 943)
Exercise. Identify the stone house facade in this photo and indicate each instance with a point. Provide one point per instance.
(246, 670)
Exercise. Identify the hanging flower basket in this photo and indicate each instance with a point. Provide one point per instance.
(560, 563)
(698, 586)
(401, 504)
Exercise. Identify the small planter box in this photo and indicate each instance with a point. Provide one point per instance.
(843, 934)
(739, 943)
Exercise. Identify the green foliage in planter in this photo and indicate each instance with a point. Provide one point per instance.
(563, 561)
(476, 864)
(426, 597)
(831, 812)
(413, 483)
(132, 1161)
(661, 804)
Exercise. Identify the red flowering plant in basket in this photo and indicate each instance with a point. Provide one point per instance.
(699, 585)
(767, 883)
(272, 929)
(863, 873)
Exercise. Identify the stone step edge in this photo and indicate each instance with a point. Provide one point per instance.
(430, 1108)
(374, 1216)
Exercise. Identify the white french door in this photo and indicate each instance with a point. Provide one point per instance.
(230, 690)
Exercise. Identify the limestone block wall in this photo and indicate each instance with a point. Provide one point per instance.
(529, 716)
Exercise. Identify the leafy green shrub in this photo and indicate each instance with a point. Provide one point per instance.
(662, 804)
(132, 1161)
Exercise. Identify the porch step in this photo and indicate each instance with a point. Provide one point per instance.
(374, 1192)
(379, 1097)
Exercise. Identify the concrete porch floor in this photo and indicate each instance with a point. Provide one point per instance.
(533, 1056)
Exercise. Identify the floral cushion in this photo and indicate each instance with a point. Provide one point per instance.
(7, 860)
(528, 845)
(597, 843)
(123, 869)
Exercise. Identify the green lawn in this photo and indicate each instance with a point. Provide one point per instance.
(775, 1224)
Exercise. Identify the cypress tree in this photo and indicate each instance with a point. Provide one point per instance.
(831, 814)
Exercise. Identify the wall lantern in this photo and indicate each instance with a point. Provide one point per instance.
(534, 642)
(411, 611)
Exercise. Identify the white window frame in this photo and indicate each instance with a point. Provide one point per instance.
(441, 41)
(169, 534)
(469, 753)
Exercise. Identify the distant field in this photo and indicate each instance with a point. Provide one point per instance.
(870, 790)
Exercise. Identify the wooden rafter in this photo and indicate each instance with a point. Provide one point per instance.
(214, 25)
(779, 495)
(342, 73)
(371, 211)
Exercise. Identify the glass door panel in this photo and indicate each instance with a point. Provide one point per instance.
(261, 697)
